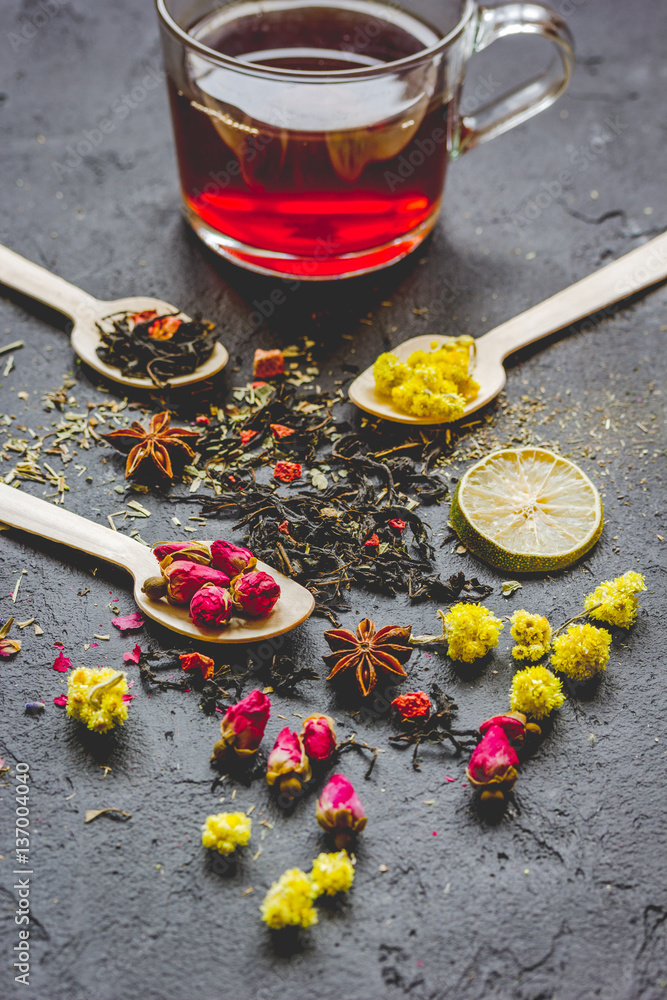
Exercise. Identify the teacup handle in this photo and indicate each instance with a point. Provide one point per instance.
(530, 98)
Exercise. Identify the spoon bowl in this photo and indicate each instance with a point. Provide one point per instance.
(19, 510)
(86, 312)
(622, 278)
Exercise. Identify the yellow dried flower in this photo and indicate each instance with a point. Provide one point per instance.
(434, 383)
(471, 631)
(536, 692)
(617, 599)
(226, 831)
(289, 901)
(95, 697)
(332, 873)
(581, 652)
(532, 634)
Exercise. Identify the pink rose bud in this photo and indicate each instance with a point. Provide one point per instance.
(319, 737)
(243, 725)
(196, 551)
(231, 559)
(492, 766)
(513, 725)
(211, 607)
(288, 765)
(255, 594)
(184, 579)
(416, 705)
(339, 811)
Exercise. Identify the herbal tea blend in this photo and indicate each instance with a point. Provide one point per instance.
(158, 347)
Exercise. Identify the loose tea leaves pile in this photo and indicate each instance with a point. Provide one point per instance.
(158, 347)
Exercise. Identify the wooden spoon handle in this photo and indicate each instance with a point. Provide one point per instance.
(623, 277)
(20, 510)
(35, 281)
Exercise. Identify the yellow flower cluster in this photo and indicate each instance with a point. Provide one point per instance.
(471, 631)
(581, 652)
(332, 873)
(95, 697)
(617, 599)
(434, 383)
(532, 634)
(289, 901)
(536, 692)
(226, 831)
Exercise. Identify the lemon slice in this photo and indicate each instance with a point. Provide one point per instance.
(527, 510)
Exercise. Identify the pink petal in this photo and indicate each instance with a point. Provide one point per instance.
(60, 701)
(62, 663)
(128, 623)
(129, 697)
(133, 657)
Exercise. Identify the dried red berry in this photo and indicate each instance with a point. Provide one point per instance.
(287, 472)
(372, 542)
(280, 431)
(248, 436)
(397, 523)
(267, 364)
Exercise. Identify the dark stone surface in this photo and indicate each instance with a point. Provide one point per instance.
(565, 898)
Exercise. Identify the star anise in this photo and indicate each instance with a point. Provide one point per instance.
(368, 652)
(154, 445)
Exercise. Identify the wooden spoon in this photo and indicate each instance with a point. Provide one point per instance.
(38, 283)
(610, 284)
(20, 510)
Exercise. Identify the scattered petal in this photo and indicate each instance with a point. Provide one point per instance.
(128, 623)
(60, 700)
(62, 663)
(133, 657)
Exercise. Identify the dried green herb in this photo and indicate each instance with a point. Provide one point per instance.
(145, 345)
(435, 729)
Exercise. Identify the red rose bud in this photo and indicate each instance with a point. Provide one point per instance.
(211, 607)
(195, 551)
(266, 364)
(372, 542)
(319, 737)
(414, 705)
(513, 724)
(143, 317)
(192, 662)
(397, 523)
(287, 472)
(185, 578)
(492, 766)
(288, 766)
(255, 594)
(243, 725)
(339, 811)
(231, 559)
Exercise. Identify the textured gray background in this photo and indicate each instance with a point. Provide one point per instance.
(565, 899)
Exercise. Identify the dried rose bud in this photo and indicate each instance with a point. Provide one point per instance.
(319, 737)
(231, 559)
(243, 725)
(154, 588)
(288, 765)
(185, 578)
(143, 317)
(191, 662)
(211, 607)
(266, 364)
(492, 766)
(195, 551)
(339, 811)
(255, 594)
(513, 725)
(413, 705)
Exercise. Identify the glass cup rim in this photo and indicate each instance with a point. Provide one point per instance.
(314, 76)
